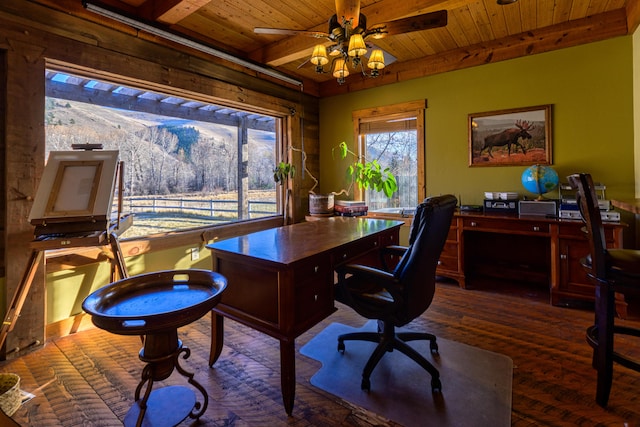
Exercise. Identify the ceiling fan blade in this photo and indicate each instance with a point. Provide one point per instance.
(287, 32)
(349, 10)
(426, 21)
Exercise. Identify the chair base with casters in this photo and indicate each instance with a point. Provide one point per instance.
(388, 340)
(611, 271)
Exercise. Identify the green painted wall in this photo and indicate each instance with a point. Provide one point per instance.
(590, 88)
(67, 289)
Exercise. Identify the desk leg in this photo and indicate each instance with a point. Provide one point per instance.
(217, 337)
(288, 374)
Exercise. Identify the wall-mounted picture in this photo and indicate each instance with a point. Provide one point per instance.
(519, 136)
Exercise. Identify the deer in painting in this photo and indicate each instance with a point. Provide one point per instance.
(509, 137)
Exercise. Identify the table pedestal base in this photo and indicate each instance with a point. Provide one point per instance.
(167, 406)
(179, 399)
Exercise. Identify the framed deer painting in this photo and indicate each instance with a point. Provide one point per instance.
(519, 136)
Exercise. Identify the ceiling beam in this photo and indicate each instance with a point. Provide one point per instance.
(292, 48)
(633, 15)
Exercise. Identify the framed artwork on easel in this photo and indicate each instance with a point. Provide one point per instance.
(77, 187)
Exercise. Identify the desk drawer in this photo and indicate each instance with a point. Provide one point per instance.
(499, 225)
(453, 234)
(388, 239)
(355, 249)
(313, 301)
(575, 230)
(312, 268)
(448, 263)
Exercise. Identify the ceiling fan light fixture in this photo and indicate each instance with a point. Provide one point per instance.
(319, 57)
(357, 47)
(340, 70)
(376, 62)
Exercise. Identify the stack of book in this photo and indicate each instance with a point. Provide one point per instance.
(350, 208)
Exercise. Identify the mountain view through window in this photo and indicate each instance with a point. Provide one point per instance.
(186, 163)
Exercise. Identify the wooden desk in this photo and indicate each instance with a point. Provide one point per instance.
(280, 281)
(523, 248)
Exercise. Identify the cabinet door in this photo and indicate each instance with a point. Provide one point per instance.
(574, 246)
(573, 278)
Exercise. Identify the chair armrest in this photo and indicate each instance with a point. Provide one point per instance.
(372, 275)
(393, 250)
(366, 272)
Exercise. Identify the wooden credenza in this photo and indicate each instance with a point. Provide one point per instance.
(531, 249)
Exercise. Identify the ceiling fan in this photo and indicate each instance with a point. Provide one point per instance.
(348, 32)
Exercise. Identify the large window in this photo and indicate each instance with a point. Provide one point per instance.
(187, 163)
(394, 136)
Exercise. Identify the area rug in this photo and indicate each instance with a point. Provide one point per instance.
(476, 384)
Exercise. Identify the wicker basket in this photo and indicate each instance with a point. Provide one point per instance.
(10, 394)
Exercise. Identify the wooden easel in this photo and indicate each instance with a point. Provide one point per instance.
(50, 238)
(39, 245)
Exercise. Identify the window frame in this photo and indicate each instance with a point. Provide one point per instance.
(366, 117)
(269, 106)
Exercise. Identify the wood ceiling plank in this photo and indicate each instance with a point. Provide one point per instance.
(406, 48)
(579, 9)
(205, 26)
(512, 19)
(439, 38)
(456, 32)
(562, 12)
(481, 21)
(545, 14)
(616, 4)
(174, 11)
(274, 14)
(528, 14)
(596, 7)
(495, 13)
(462, 22)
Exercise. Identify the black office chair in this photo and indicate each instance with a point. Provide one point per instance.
(396, 298)
(611, 271)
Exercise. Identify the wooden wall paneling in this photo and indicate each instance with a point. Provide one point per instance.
(24, 163)
(3, 189)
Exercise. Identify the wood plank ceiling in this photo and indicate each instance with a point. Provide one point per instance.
(478, 31)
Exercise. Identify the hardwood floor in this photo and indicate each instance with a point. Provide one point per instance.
(89, 378)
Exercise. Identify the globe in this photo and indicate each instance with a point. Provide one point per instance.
(540, 179)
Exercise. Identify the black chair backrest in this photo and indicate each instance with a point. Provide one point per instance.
(587, 200)
(416, 271)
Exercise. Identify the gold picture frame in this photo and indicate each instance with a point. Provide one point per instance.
(513, 137)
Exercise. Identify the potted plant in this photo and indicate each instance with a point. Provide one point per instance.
(367, 174)
(360, 171)
(281, 175)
